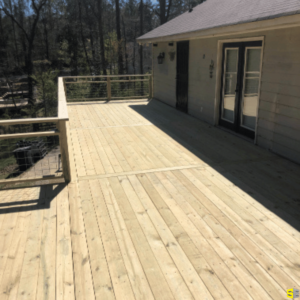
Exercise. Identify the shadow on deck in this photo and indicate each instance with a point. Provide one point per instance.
(268, 178)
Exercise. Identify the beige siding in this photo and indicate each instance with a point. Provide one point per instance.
(279, 107)
(164, 75)
(279, 110)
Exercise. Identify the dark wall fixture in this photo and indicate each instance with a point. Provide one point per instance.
(172, 55)
(171, 44)
(160, 58)
(211, 68)
(154, 45)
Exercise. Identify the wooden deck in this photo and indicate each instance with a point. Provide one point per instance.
(162, 206)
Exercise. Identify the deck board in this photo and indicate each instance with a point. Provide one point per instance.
(161, 206)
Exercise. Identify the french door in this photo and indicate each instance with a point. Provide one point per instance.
(240, 86)
(182, 76)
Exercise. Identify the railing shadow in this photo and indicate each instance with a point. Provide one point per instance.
(268, 179)
(46, 194)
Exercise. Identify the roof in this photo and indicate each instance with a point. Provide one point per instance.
(219, 13)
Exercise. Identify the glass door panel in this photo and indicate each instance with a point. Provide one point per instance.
(230, 81)
(240, 86)
(251, 88)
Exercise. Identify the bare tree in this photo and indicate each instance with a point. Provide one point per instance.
(164, 11)
(119, 38)
(141, 33)
(101, 37)
(29, 35)
(83, 38)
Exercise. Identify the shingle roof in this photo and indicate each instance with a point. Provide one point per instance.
(218, 13)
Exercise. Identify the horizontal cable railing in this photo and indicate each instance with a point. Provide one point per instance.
(35, 149)
(110, 87)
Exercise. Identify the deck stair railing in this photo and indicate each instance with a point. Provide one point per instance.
(36, 155)
(110, 87)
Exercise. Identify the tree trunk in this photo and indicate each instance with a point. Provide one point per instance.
(125, 50)
(3, 43)
(101, 38)
(120, 56)
(29, 67)
(90, 35)
(164, 11)
(46, 39)
(141, 46)
(83, 39)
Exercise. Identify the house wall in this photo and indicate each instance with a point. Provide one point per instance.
(164, 84)
(279, 108)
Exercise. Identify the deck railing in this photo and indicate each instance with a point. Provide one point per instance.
(48, 151)
(110, 87)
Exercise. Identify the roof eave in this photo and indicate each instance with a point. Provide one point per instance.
(253, 26)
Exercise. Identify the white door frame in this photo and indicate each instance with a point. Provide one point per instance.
(219, 74)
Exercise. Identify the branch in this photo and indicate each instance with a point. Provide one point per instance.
(37, 11)
(14, 20)
(168, 11)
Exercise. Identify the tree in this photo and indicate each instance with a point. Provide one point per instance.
(29, 34)
(46, 87)
(118, 27)
(163, 11)
(141, 33)
(101, 36)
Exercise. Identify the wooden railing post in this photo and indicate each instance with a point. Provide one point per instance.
(108, 89)
(64, 150)
(150, 87)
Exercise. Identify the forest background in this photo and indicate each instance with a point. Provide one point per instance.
(43, 39)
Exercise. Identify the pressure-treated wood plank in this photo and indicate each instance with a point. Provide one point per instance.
(6, 236)
(127, 151)
(117, 271)
(114, 147)
(197, 212)
(97, 153)
(163, 258)
(133, 149)
(194, 260)
(267, 267)
(10, 279)
(260, 222)
(29, 275)
(109, 152)
(79, 162)
(88, 161)
(138, 279)
(64, 263)
(102, 282)
(156, 278)
(47, 271)
(243, 218)
(166, 162)
(256, 226)
(260, 203)
(83, 281)
(153, 161)
(174, 201)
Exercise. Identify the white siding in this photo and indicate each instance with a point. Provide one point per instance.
(279, 108)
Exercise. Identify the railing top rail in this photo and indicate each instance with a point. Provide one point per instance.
(104, 76)
(29, 134)
(28, 121)
(62, 111)
(62, 101)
